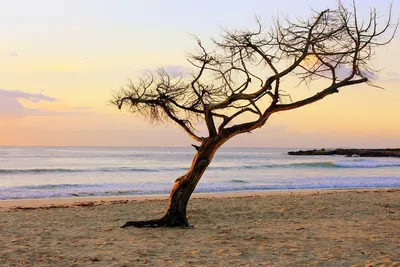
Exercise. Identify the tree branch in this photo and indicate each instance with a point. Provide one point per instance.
(318, 96)
(183, 125)
(334, 45)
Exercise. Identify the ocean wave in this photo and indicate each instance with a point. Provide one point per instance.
(327, 164)
(318, 164)
(11, 171)
(79, 190)
(324, 164)
(366, 164)
(56, 186)
(63, 170)
(238, 181)
(88, 190)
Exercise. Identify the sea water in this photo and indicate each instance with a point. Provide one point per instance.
(52, 172)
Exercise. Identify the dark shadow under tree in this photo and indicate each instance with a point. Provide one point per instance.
(237, 86)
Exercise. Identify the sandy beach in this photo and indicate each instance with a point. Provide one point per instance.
(309, 228)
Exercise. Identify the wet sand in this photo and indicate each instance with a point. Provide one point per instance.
(308, 228)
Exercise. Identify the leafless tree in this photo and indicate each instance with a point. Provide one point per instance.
(237, 86)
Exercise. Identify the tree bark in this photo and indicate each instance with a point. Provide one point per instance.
(183, 189)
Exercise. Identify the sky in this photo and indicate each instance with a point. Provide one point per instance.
(61, 61)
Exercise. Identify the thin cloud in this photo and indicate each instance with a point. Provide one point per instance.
(176, 70)
(172, 70)
(343, 71)
(15, 94)
(13, 54)
(10, 105)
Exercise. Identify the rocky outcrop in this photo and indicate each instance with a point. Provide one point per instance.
(351, 152)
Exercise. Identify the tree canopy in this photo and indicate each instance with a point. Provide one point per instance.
(246, 67)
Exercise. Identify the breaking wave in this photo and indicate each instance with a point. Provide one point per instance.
(319, 164)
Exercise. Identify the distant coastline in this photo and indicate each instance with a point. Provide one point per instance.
(350, 152)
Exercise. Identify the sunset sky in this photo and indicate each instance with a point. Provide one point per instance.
(61, 60)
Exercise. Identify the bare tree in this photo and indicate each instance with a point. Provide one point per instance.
(243, 75)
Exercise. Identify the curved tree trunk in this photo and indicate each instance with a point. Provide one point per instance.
(183, 189)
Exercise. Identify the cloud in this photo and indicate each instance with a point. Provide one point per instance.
(13, 54)
(15, 94)
(10, 104)
(172, 70)
(176, 69)
(343, 71)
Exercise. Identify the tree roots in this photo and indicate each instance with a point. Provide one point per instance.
(166, 221)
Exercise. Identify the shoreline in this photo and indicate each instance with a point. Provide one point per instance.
(62, 202)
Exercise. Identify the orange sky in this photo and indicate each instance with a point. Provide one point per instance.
(59, 67)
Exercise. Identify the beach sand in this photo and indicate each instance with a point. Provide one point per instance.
(325, 228)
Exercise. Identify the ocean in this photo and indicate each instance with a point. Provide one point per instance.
(54, 172)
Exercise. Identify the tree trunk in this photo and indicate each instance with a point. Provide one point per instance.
(183, 189)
